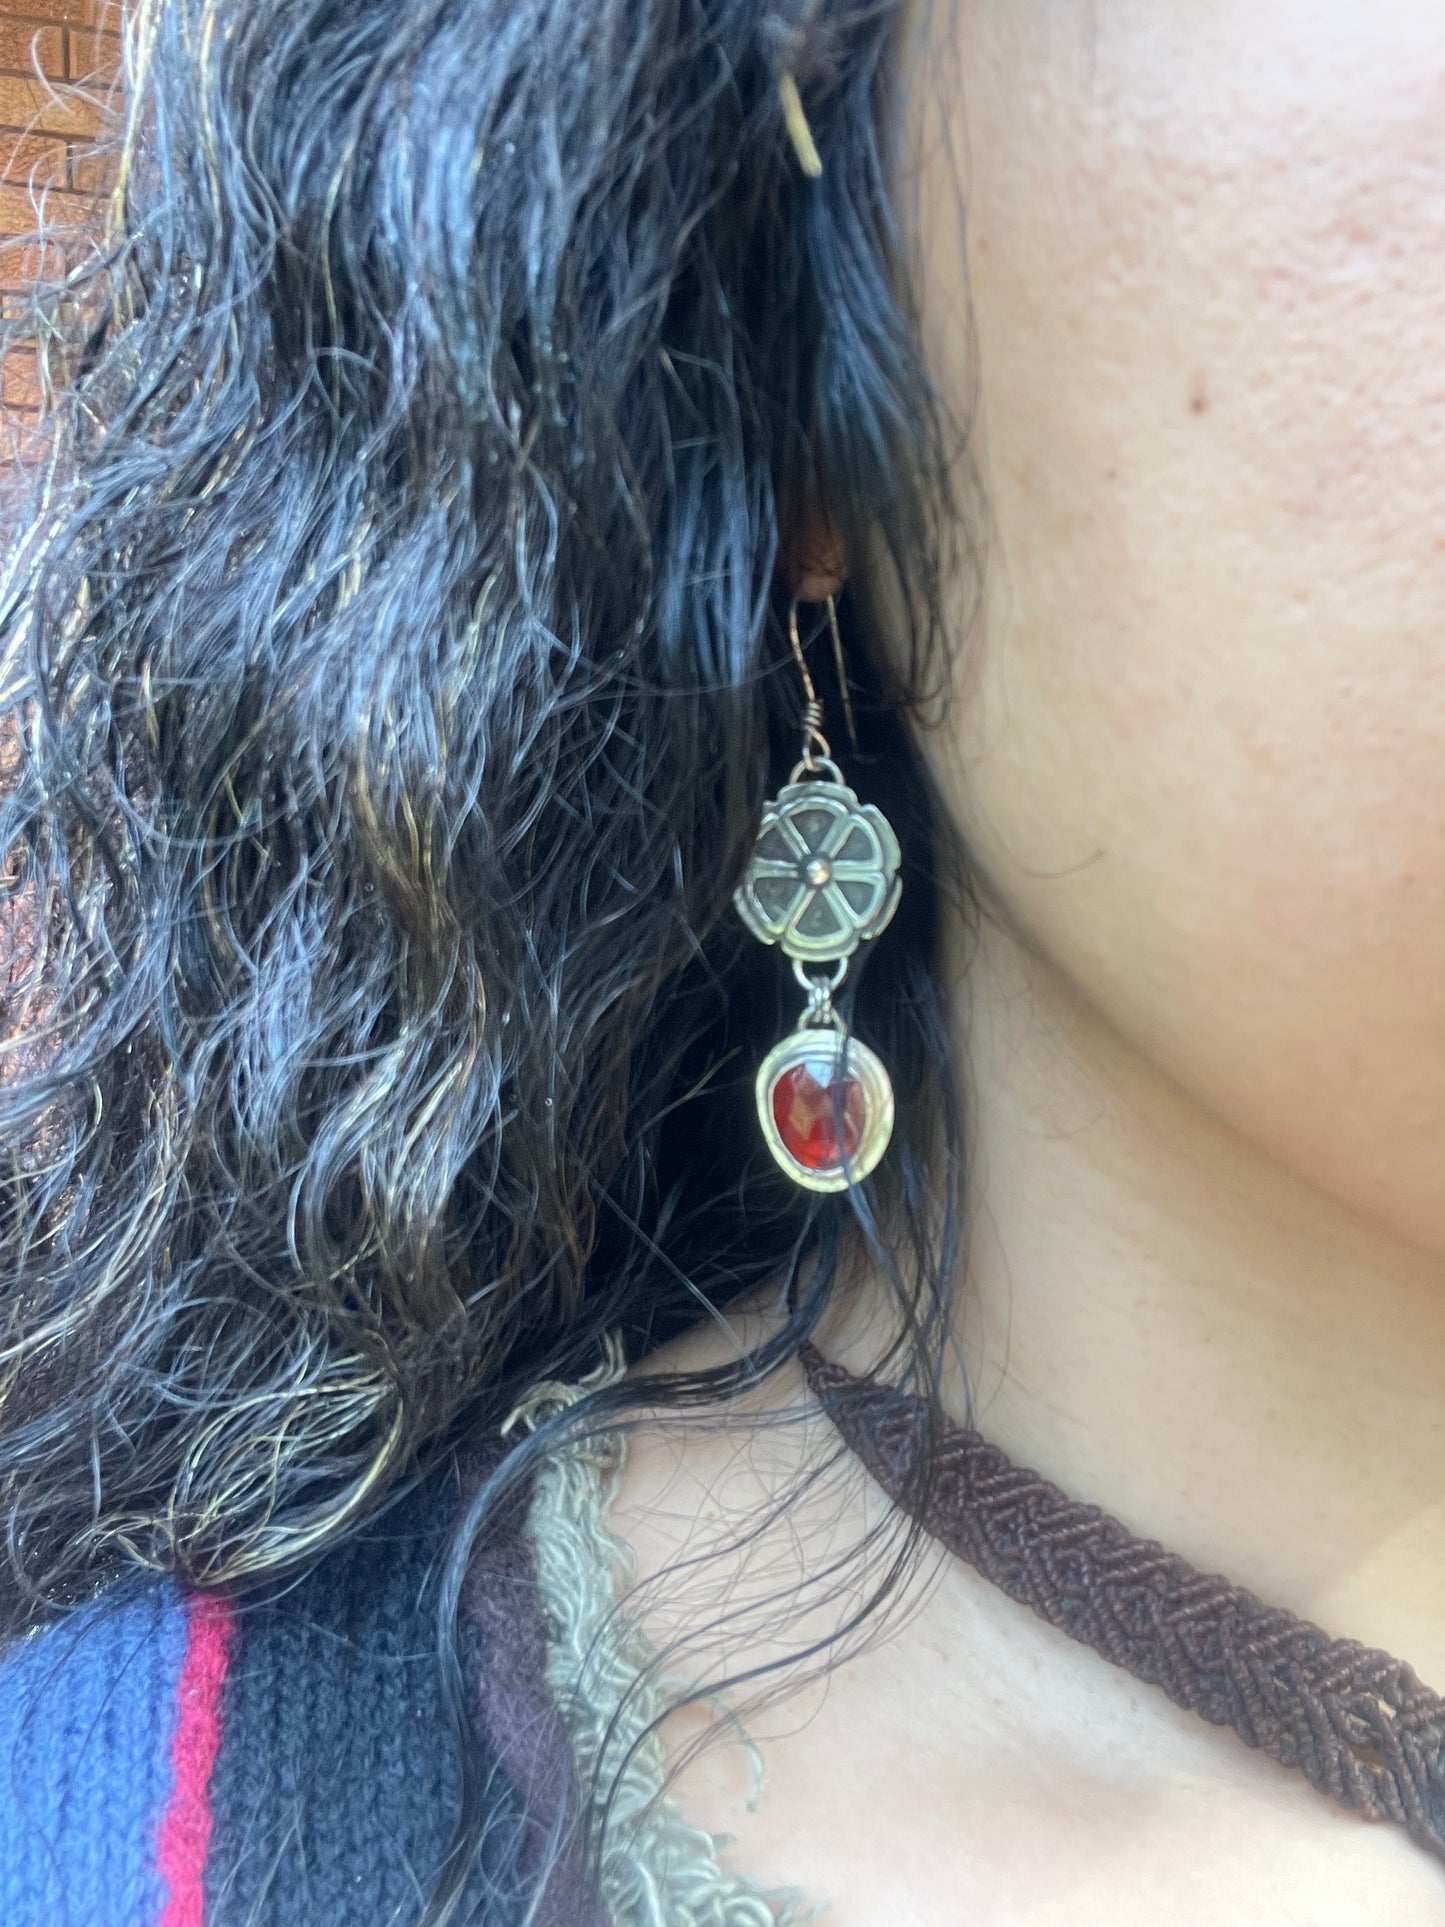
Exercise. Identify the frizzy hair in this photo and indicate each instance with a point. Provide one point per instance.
(394, 669)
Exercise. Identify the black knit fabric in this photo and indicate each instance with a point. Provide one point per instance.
(517, 1711)
(334, 1790)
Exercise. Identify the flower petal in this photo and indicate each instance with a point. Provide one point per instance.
(813, 822)
(818, 921)
(854, 842)
(780, 842)
(776, 897)
(861, 895)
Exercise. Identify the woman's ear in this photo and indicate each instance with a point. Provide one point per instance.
(816, 565)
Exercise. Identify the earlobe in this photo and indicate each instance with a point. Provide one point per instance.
(817, 566)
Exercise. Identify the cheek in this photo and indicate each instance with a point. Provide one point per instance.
(1198, 750)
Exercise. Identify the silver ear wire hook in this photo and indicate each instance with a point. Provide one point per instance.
(814, 739)
(842, 671)
(814, 736)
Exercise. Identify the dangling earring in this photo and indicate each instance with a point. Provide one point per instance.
(823, 879)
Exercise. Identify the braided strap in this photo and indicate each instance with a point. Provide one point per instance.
(1356, 1723)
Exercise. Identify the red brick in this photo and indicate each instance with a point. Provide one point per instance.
(23, 44)
(38, 157)
(20, 212)
(46, 155)
(22, 440)
(91, 172)
(31, 105)
(93, 56)
(75, 13)
(22, 263)
(17, 210)
(19, 379)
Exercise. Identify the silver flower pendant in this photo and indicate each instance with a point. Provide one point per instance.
(824, 873)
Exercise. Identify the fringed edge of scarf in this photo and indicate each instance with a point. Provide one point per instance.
(657, 1868)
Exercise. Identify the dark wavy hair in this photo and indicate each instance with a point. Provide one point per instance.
(392, 670)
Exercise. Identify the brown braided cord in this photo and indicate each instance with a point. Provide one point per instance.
(1358, 1724)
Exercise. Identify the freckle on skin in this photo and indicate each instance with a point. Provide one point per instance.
(1199, 394)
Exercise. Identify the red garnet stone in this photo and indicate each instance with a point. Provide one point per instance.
(808, 1113)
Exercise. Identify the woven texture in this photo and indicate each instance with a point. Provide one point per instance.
(87, 1713)
(167, 1760)
(1358, 1724)
(334, 1789)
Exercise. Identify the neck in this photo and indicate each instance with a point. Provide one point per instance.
(1171, 1325)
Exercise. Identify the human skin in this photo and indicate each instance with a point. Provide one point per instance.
(1196, 315)
(1203, 764)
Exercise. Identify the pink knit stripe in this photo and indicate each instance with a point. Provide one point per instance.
(185, 1831)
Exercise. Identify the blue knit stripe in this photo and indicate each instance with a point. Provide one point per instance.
(87, 1712)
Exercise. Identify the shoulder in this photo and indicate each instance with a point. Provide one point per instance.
(171, 1757)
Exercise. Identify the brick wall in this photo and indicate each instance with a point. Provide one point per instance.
(47, 49)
